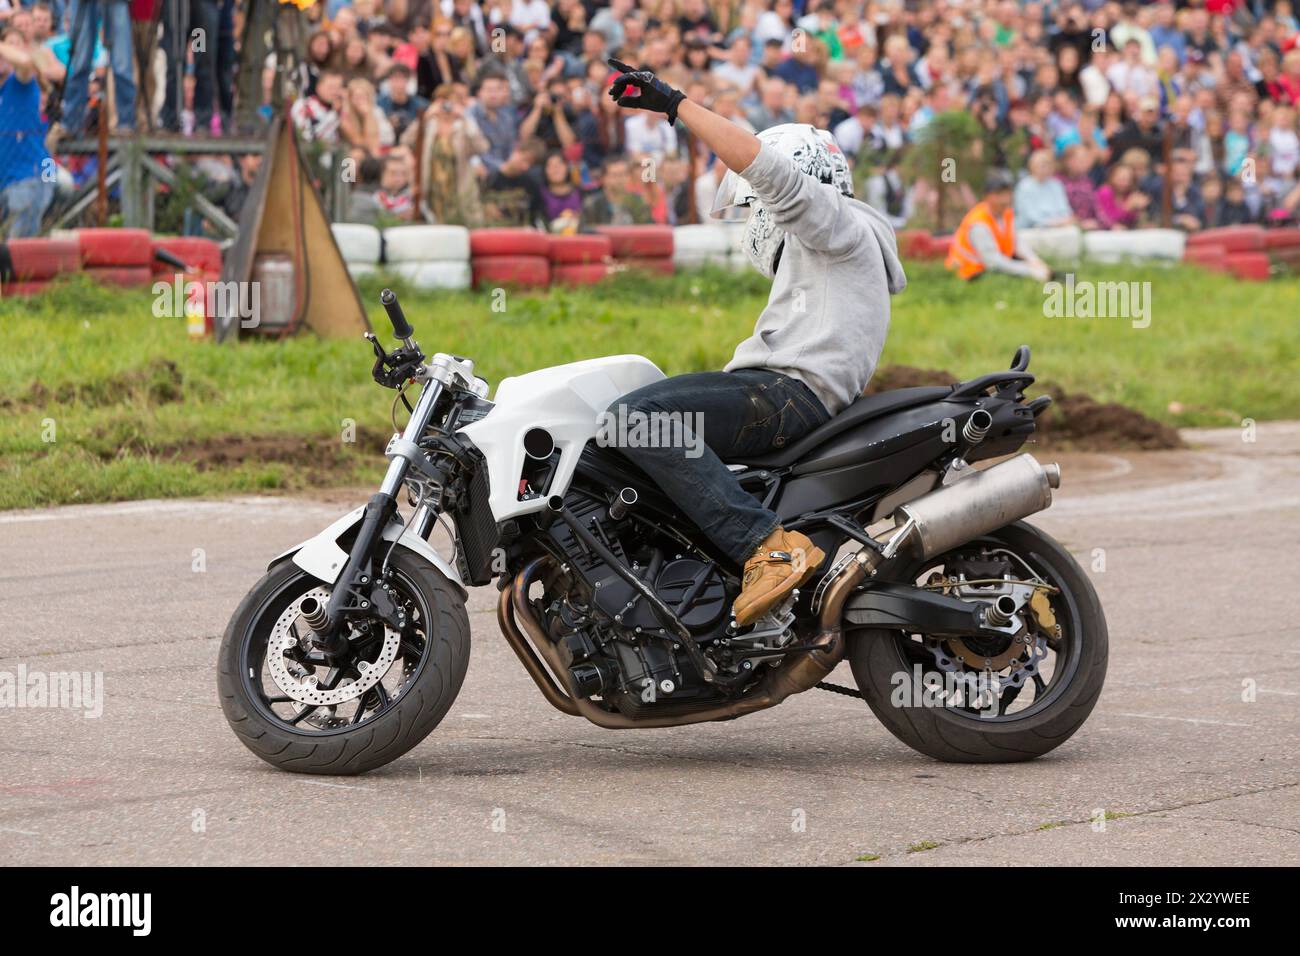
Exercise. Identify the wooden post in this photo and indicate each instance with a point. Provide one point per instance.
(148, 188)
(417, 176)
(939, 198)
(1167, 187)
(101, 173)
(132, 185)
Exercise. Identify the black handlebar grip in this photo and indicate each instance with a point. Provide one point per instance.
(401, 328)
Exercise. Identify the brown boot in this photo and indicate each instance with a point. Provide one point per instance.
(782, 562)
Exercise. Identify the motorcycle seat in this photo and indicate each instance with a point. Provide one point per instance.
(862, 410)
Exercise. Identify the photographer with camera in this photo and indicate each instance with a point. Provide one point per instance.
(551, 119)
(448, 175)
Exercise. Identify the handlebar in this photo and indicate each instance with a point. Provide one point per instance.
(401, 328)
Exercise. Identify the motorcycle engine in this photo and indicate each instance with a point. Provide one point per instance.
(618, 648)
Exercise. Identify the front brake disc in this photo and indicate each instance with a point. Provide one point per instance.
(304, 688)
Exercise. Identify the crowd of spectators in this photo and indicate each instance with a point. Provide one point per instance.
(494, 112)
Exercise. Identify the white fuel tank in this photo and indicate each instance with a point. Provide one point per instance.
(567, 402)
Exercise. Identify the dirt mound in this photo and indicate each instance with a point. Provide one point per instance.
(1079, 421)
(158, 383)
(316, 460)
(1075, 420)
(317, 455)
(892, 377)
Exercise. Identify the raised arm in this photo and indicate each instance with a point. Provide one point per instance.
(641, 89)
(811, 210)
(735, 146)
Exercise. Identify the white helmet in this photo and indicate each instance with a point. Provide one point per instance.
(815, 153)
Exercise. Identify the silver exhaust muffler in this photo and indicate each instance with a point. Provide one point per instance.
(944, 519)
(941, 520)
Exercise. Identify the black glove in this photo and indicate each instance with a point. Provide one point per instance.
(655, 94)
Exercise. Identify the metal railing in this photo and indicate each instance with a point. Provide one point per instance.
(134, 166)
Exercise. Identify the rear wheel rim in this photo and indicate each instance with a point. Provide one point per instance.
(911, 649)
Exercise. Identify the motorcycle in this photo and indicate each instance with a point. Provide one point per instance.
(971, 635)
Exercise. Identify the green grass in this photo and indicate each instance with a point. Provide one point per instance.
(923, 846)
(94, 364)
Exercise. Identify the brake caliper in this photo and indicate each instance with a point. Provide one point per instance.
(1040, 606)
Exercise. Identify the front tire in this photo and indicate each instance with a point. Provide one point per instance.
(432, 663)
(960, 735)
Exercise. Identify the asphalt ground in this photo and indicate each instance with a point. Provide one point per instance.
(1189, 758)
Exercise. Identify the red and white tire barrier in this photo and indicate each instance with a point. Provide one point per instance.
(44, 259)
(706, 244)
(116, 247)
(122, 258)
(523, 271)
(510, 257)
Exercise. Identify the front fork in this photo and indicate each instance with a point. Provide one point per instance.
(356, 593)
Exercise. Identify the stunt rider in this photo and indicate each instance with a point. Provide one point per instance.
(833, 261)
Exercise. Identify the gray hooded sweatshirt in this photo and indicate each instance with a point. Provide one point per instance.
(828, 313)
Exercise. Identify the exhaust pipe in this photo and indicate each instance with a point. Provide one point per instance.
(985, 501)
(798, 673)
(950, 516)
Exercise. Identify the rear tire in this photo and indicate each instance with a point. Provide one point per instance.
(878, 655)
(375, 741)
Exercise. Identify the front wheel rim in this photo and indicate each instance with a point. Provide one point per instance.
(360, 711)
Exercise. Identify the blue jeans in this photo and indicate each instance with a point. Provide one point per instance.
(227, 59)
(85, 22)
(24, 203)
(179, 24)
(745, 413)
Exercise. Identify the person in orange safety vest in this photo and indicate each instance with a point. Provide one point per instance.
(986, 238)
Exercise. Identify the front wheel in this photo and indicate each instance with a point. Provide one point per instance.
(302, 711)
(991, 700)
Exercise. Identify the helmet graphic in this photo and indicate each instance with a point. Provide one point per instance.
(814, 153)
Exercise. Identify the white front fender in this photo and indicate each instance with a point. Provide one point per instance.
(322, 558)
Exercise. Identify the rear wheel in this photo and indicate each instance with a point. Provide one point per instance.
(302, 711)
(998, 700)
